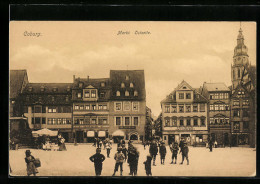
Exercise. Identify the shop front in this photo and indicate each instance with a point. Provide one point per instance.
(118, 135)
(240, 139)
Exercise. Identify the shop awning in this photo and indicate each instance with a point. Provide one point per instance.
(101, 134)
(44, 131)
(118, 133)
(90, 134)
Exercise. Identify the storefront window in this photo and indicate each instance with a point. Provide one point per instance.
(243, 139)
(188, 122)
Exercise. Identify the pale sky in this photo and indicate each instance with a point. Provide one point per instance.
(172, 52)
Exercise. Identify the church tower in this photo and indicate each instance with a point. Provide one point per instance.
(240, 60)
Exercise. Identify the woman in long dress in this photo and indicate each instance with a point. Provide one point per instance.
(29, 159)
(62, 146)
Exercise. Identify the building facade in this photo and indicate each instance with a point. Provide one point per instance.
(243, 101)
(184, 114)
(218, 95)
(48, 105)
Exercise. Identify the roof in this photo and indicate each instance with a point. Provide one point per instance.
(17, 78)
(127, 76)
(96, 83)
(48, 88)
(216, 87)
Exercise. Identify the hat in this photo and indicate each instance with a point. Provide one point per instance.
(98, 149)
(119, 149)
(27, 151)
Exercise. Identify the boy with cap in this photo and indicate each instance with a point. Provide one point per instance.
(97, 158)
(174, 149)
(162, 152)
(119, 157)
(185, 151)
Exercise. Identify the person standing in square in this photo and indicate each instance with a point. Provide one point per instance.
(185, 151)
(174, 149)
(97, 158)
(120, 158)
(162, 152)
(147, 165)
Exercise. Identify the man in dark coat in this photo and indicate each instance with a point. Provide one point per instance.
(133, 157)
(147, 165)
(174, 149)
(181, 143)
(163, 152)
(97, 158)
(185, 151)
(210, 145)
(153, 151)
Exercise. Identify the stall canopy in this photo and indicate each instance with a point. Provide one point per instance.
(118, 133)
(44, 131)
(90, 134)
(101, 134)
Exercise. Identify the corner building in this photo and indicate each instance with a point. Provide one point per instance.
(184, 114)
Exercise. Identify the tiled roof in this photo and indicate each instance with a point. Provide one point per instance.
(48, 88)
(96, 83)
(17, 78)
(216, 87)
(127, 76)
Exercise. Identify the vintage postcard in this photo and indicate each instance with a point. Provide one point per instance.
(132, 98)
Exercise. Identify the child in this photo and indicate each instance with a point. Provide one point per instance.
(108, 148)
(29, 159)
(174, 149)
(97, 158)
(119, 157)
(185, 151)
(147, 165)
(162, 152)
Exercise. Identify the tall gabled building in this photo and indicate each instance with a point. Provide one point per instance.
(184, 114)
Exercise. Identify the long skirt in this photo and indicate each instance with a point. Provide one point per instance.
(31, 169)
(62, 147)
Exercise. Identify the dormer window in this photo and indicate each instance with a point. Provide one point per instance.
(40, 99)
(67, 98)
(80, 85)
(42, 88)
(184, 87)
(93, 94)
(122, 85)
(126, 77)
(126, 93)
(68, 89)
(103, 84)
(135, 93)
(118, 93)
(30, 89)
(55, 89)
(131, 85)
(79, 95)
(52, 98)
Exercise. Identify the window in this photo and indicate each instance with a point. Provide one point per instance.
(59, 121)
(30, 89)
(93, 121)
(93, 93)
(102, 84)
(43, 120)
(246, 125)
(118, 93)
(67, 98)
(174, 122)
(195, 108)
(135, 93)
(99, 107)
(127, 121)
(37, 109)
(167, 109)
(181, 95)
(236, 103)
(174, 108)
(195, 122)
(226, 120)
(118, 106)
(245, 113)
(52, 98)
(81, 107)
(211, 96)
(221, 107)
(167, 122)
(131, 85)
(202, 107)
(188, 122)
(245, 102)
(87, 107)
(202, 122)
(100, 121)
(181, 108)
(127, 106)
(32, 120)
(104, 107)
(55, 89)
(80, 85)
(236, 126)
(42, 88)
(104, 121)
(68, 89)
(50, 121)
(81, 121)
(221, 121)
(52, 109)
(227, 107)
(188, 108)
(79, 95)
(126, 77)
(118, 121)
(211, 120)
(238, 73)
(188, 95)
(135, 120)
(37, 120)
(122, 85)
(216, 120)
(236, 113)
(226, 96)
(126, 93)
(216, 96)
(86, 94)
(216, 107)
(76, 107)
(221, 96)
(94, 107)
(135, 106)
(211, 107)
(64, 121)
(102, 94)
(181, 122)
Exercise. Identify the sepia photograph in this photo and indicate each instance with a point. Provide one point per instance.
(132, 98)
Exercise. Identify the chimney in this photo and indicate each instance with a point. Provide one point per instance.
(73, 78)
(88, 77)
